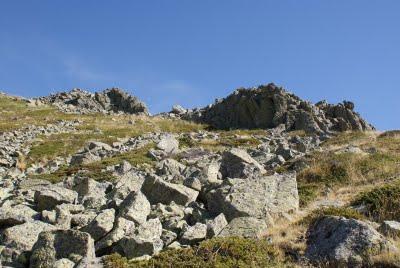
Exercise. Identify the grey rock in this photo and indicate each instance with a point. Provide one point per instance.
(146, 241)
(159, 191)
(247, 227)
(101, 225)
(22, 237)
(14, 215)
(261, 197)
(168, 237)
(194, 234)
(51, 196)
(237, 163)
(390, 228)
(168, 144)
(344, 242)
(135, 207)
(122, 228)
(53, 246)
(216, 225)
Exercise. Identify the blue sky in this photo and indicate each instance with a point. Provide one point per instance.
(191, 52)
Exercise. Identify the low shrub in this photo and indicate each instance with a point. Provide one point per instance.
(381, 203)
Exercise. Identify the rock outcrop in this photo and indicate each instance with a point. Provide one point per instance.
(345, 242)
(269, 106)
(83, 102)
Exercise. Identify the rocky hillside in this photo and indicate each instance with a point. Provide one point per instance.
(258, 179)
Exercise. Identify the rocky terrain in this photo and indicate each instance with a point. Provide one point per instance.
(258, 179)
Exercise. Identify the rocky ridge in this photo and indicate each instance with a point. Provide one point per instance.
(83, 102)
(269, 106)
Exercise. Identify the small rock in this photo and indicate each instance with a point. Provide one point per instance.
(390, 228)
(194, 234)
(101, 225)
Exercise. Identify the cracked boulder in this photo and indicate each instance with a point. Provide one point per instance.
(262, 197)
(50, 196)
(160, 191)
(237, 163)
(54, 246)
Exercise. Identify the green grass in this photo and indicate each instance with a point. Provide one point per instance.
(217, 252)
(382, 203)
(330, 169)
(96, 170)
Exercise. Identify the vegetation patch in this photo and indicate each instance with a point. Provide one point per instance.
(97, 170)
(381, 203)
(346, 212)
(216, 252)
(381, 161)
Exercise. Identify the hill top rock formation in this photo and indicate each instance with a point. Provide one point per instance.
(269, 106)
(83, 102)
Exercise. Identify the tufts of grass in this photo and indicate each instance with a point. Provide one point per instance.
(330, 169)
(346, 212)
(216, 252)
(349, 137)
(382, 202)
(96, 170)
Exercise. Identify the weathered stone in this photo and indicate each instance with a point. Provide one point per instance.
(82, 219)
(216, 225)
(194, 234)
(51, 196)
(22, 237)
(168, 237)
(122, 228)
(168, 144)
(101, 225)
(261, 197)
(247, 227)
(390, 228)
(237, 163)
(52, 246)
(147, 240)
(344, 242)
(14, 215)
(159, 191)
(135, 208)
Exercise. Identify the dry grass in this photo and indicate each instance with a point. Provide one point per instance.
(334, 169)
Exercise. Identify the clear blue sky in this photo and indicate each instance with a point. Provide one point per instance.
(191, 52)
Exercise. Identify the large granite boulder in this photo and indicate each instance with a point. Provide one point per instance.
(262, 197)
(54, 246)
(345, 242)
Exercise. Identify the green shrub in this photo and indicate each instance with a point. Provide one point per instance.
(217, 252)
(382, 203)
